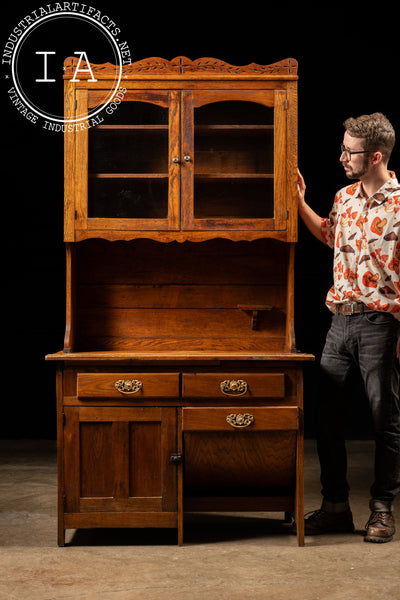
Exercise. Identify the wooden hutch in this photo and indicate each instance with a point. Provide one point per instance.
(179, 387)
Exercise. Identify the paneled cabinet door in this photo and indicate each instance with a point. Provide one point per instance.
(118, 459)
(126, 170)
(234, 173)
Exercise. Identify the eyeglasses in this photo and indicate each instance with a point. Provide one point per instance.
(348, 153)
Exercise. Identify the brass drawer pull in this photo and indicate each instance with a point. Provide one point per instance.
(232, 387)
(128, 386)
(240, 421)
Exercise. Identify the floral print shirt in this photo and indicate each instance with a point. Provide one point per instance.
(365, 235)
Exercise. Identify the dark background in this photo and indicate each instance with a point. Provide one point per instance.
(347, 67)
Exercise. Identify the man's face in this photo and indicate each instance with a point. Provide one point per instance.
(358, 164)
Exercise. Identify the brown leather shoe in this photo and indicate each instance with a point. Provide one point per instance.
(380, 527)
(321, 521)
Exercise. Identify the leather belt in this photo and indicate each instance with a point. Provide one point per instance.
(353, 308)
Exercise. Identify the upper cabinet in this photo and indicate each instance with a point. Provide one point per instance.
(193, 150)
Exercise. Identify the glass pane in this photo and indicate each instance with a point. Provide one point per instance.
(124, 198)
(128, 164)
(234, 160)
(234, 199)
(234, 151)
(128, 151)
(138, 113)
(233, 112)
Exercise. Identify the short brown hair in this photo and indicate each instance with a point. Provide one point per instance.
(376, 130)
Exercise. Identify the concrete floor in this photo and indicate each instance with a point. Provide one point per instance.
(224, 556)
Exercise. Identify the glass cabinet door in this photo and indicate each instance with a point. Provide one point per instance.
(234, 160)
(132, 181)
(167, 160)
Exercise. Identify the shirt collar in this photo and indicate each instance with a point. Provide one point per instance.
(390, 186)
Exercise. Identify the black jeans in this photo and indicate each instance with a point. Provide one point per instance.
(368, 341)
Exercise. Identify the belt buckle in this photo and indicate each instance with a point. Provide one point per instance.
(352, 308)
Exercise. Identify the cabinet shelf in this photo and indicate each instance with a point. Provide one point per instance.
(146, 128)
(215, 176)
(233, 128)
(165, 175)
(197, 128)
(128, 175)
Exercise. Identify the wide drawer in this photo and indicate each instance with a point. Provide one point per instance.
(223, 385)
(240, 418)
(127, 385)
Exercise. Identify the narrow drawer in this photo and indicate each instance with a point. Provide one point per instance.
(128, 385)
(247, 418)
(225, 385)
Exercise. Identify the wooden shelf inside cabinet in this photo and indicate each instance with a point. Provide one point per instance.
(255, 310)
(212, 176)
(127, 175)
(121, 127)
(233, 128)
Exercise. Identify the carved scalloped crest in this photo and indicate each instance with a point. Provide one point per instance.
(181, 66)
(213, 65)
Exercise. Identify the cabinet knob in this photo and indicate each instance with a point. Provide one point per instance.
(187, 158)
(175, 458)
(175, 159)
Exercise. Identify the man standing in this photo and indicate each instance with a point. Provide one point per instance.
(363, 229)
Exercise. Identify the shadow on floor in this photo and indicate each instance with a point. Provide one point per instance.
(198, 529)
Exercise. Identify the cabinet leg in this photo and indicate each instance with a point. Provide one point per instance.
(180, 532)
(180, 516)
(180, 481)
(60, 529)
(61, 537)
(300, 529)
(299, 503)
(299, 515)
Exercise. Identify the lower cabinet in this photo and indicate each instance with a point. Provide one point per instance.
(240, 453)
(141, 449)
(117, 466)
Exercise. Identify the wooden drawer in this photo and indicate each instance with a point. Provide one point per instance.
(247, 418)
(225, 385)
(127, 385)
